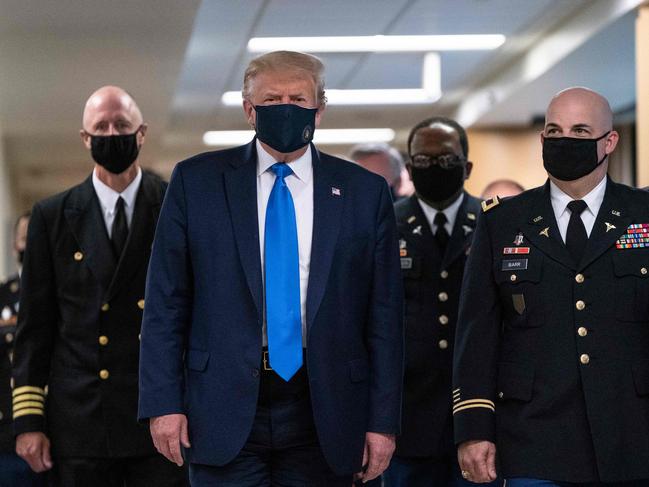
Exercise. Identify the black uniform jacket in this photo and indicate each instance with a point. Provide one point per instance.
(432, 285)
(77, 344)
(9, 294)
(552, 357)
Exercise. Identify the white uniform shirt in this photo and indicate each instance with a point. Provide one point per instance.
(562, 214)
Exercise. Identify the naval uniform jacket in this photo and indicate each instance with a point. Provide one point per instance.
(9, 294)
(552, 356)
(79, 325)
(432, 290)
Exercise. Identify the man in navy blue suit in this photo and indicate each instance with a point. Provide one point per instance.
(272, 341)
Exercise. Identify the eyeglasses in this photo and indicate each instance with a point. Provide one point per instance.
(445, 161)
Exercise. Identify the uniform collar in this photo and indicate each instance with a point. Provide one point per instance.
(450, 211)
(593, 199)
(108, 196)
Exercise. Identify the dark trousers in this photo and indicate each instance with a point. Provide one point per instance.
(282, 449)
(527, 482)
(149, 471)
(15, 472)
(426, 472)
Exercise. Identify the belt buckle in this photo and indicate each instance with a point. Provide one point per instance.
(266, 360)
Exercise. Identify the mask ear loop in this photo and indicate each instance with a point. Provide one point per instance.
(605, 155)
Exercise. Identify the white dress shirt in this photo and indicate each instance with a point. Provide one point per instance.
(560, 202)
(450, 212)
(108, 198)
(300, 184)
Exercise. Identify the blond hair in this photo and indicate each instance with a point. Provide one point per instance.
(290, 61)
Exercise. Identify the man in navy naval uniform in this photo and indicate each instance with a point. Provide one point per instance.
(551, 372)
(272, 337)
(436, 227)
(76, 350)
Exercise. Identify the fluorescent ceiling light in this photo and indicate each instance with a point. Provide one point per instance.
(321, 136)
(379, 43)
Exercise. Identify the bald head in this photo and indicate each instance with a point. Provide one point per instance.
(110, 111)
(580, 110)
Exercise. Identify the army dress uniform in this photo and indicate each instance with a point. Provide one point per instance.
(552, 356)
(432, 283)
(79, 325)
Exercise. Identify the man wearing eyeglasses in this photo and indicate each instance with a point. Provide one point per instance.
(435, 226)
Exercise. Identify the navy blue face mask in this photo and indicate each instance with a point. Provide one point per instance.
(285, 128)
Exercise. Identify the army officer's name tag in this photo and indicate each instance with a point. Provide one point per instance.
(514, 264)
(406, 262)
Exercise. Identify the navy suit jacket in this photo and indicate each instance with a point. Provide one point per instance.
(202, 328)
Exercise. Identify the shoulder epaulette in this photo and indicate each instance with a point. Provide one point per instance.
(490, 203)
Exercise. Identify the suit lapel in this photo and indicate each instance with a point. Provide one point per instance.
(462, 232)
(241, 192)
(138, 245)
(610, 224)
(541, 228)
(86, 222)
(328, 200)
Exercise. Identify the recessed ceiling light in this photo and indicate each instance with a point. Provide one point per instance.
(321, 136)
(378, 43)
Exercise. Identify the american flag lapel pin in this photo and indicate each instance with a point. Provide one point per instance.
(335, 191)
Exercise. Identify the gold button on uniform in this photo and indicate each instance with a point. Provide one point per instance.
(513, 277)
(139, 336)
(643, 271)
(9, 337)
(580, 305)
(105, 307)
(584, 359)
(78, 256)
(103, 373)
(582, 331)
(140, 304)
(443, 319)
(443, 274)
(443, 344)
(579, 278)
(103, 340)
(443, 297)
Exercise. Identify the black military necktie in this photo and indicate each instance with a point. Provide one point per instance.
(576, 236)
(441, 235)
(119, 232)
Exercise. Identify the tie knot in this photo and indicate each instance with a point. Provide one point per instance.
(281, 169)
(119, 203)
(440, 219)
(577, 206)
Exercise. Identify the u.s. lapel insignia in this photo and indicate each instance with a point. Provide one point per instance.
(609, 227)
(411, 219)
(417, 230)
(615, 212)
(537, 219)
(335, 191)
(545, 232)
(467, 229)
(471, 216)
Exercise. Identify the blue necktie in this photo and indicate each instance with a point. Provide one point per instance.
(282, 272)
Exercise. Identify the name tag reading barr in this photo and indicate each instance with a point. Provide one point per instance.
(514, 264)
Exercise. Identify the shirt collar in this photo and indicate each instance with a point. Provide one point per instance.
(108, 196)
(301, 167)
(450, 211)
(593, 199)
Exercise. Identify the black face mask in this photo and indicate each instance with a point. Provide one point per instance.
(115, 152)
(286, 128)
(437, 184)
(570, 158)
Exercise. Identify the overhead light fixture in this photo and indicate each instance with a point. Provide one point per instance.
(378, 43)
(430, 92)
(322, 136)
